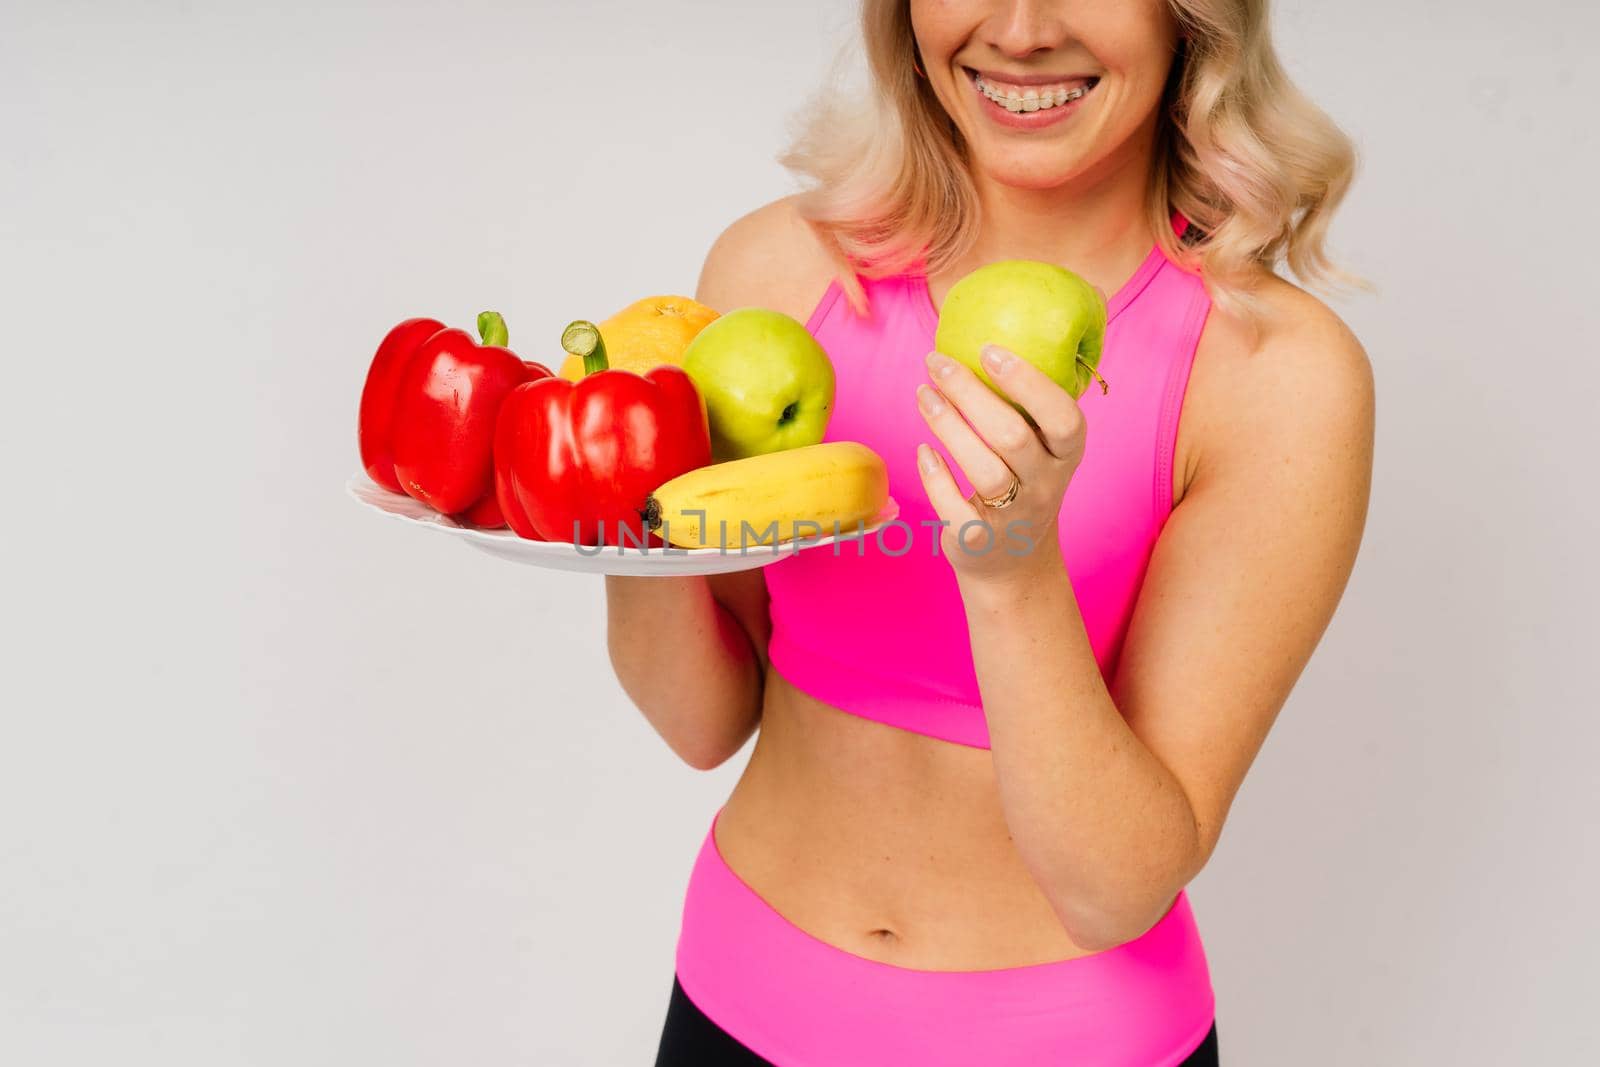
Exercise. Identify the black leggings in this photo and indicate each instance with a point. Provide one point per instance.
(690, 1039)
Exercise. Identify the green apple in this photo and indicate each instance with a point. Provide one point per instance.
(767, 384)
(1044, 313)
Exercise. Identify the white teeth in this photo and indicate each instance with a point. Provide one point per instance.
(1031, 99)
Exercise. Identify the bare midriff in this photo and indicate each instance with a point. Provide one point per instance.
(885, 843)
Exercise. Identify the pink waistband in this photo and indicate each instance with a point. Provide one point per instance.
(801, 1002)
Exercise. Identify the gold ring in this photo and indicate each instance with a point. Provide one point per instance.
(1005, 498)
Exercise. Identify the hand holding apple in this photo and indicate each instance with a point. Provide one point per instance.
(1044, 313)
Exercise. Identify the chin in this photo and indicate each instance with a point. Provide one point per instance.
(1033, 170)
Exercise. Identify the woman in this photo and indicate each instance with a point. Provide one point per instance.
(982, 779)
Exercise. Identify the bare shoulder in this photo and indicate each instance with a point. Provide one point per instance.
(768, 258)
(1296, 378)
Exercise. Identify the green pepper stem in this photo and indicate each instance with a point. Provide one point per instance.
(492, 328)
(582, 339)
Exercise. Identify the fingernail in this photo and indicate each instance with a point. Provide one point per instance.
(928, 400)
(940, 364)
(995, 358)
(926, 459)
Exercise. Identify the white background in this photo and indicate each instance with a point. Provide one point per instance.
(284, 783)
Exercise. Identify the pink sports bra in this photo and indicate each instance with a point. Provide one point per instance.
(876, 627)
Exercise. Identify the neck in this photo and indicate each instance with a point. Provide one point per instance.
(1094, 225)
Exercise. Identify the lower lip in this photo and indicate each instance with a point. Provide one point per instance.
(1029, 120)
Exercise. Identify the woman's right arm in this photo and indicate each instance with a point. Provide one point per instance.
(690, 650)
(689, 660)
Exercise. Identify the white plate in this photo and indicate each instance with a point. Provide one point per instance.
(616, 559)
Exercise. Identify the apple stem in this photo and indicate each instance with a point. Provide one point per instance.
(1104, 386)
(582, 339)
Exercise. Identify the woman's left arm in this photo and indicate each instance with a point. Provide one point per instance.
(1115, 796)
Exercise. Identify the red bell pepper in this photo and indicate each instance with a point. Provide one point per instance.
(376, 423)
(428, 416)
(511, 429)
(577, 461)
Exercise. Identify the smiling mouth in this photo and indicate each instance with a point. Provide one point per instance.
(1020, 98)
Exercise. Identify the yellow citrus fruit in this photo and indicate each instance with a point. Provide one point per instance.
(647, 333)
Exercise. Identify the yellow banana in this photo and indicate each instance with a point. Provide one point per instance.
(772, 498)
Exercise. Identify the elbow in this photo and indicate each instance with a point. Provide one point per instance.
(703, 757)
(706, 750)
(1099, 933)
(1103, 931)
(1114, 911)
(1126, 916)
(1095, 945)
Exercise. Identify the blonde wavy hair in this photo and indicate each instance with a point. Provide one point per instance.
(1255, 166)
